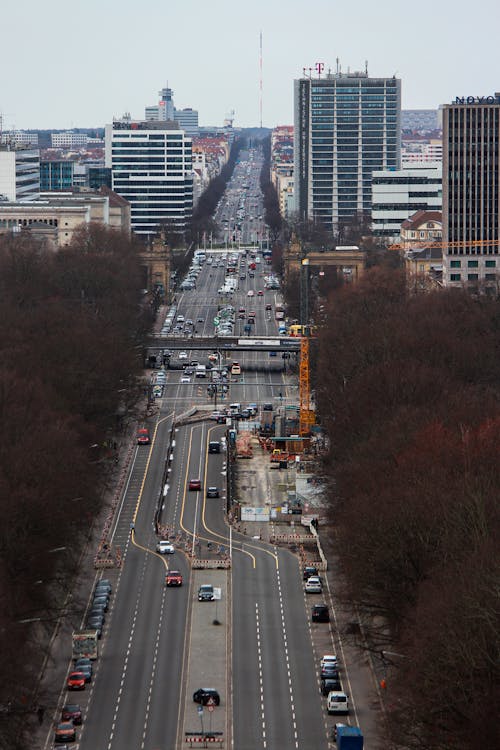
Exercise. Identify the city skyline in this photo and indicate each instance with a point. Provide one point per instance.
(83, 70)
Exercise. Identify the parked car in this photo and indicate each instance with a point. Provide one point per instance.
(313, 585)
(76, 681)
(320, 613)
(328, 684)
(65, 732)
(204, 695)
(309, 570)
(206, 593)
(71, 712)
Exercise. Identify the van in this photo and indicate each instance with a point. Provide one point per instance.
(235, 408)
(201, 371)
(337, 702)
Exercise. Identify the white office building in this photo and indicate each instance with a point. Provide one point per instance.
(19, 173)
(20, 138)
(399, 193)
(151, 167)
(187, 119)
(68, 140)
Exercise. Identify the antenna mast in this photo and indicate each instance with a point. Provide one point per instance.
(260, 79)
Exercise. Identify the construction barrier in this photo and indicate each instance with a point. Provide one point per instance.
(198, 564)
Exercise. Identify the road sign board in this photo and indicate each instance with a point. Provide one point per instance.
(210, 702)
(200, 710)
(216, 321)
(210, 707)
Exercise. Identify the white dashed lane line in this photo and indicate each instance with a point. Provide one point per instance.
(289, 675)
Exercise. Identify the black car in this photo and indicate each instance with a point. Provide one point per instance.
(309, 570)
(204, 695)
(97, 611)
(320, 613)
(101, 601)
(329, 671)
(71, 712)
(213, 492)
(329, 684)
(83, 662)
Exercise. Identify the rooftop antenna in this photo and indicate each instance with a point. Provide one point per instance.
(260, 78)
(366, 67)
(338, 67)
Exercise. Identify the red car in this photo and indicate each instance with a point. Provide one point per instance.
(65, 732)
(72, 712)
(143, 437)
(251, 314)
(173, 578)
(260, 293)
(195, 484)
(76, 681)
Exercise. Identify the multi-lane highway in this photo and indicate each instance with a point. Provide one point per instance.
(157, 642)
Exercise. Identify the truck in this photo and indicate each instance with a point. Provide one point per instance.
(85, 644)
(349, 738)
(279, 312)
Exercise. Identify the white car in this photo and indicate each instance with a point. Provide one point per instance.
(185, 379)
(313, 585)
(250, 293)
(183, 355)
(165, 548)
(329, 659)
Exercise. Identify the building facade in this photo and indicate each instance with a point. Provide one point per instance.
(151, 167)
(471, 193)
(69, 140)
(19, 173)
(346, 126)
(187, 119)
(56, 174)
(397, 194)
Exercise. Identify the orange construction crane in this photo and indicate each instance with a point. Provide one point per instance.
(306, 416)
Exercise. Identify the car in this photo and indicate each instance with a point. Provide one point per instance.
(337, 702)
(206, 593)
(200, 320)
(96, 623)
(189, 370)
(260, 293)
(96, 611)
(71, 712)
(143, 436)
(213, 492)
(329, 659)
(206, 696)
(82, 662)
(309, 570)
(180, 318)
(65, 732)
(165, 548)
(103, 587)
(173, 578)
(185, 379)
(101, 601)
(313, 585)
(250, 293)
(86, 669)
(235, 368)
(183, 355)
(327, 684)
(320, 613)
(269, 307)
(188, 322)
(76, 680)
(329, 671)
(250, 322)
(194, 484)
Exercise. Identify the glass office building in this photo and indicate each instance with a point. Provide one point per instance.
(346, 126)
(56, 175)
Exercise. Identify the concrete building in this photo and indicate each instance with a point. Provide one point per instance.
(69, 140)
(418, 151)
(164, 110)
(187, 119)
(282, 167)
(471, 193)
(419, 119)
(346, 126)
(151, 167)
(20, 138)
(55, 217)
(397, 194)
(19, 173)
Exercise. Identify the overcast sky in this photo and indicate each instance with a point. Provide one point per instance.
(74, 63)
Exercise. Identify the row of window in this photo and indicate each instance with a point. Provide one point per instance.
(473, 264)
(473, 277)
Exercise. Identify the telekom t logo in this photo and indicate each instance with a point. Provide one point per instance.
(319, 68)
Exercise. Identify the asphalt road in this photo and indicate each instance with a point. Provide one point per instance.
(140, 696)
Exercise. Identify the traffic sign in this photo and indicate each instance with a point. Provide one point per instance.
(210, 707)
(200, 710)
(216, 321)
(210, 704)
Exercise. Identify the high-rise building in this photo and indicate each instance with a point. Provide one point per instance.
(151, 167)
(398, 193)
(471, 192)
(19, 173)
(164, 110)
(187, 119)
(56, 174)
(346, 126)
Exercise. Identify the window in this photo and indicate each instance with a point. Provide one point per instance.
(454, 277)
(472, 276)
(490, 276)
(455, 264)
(490, 263)
(472, 264)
